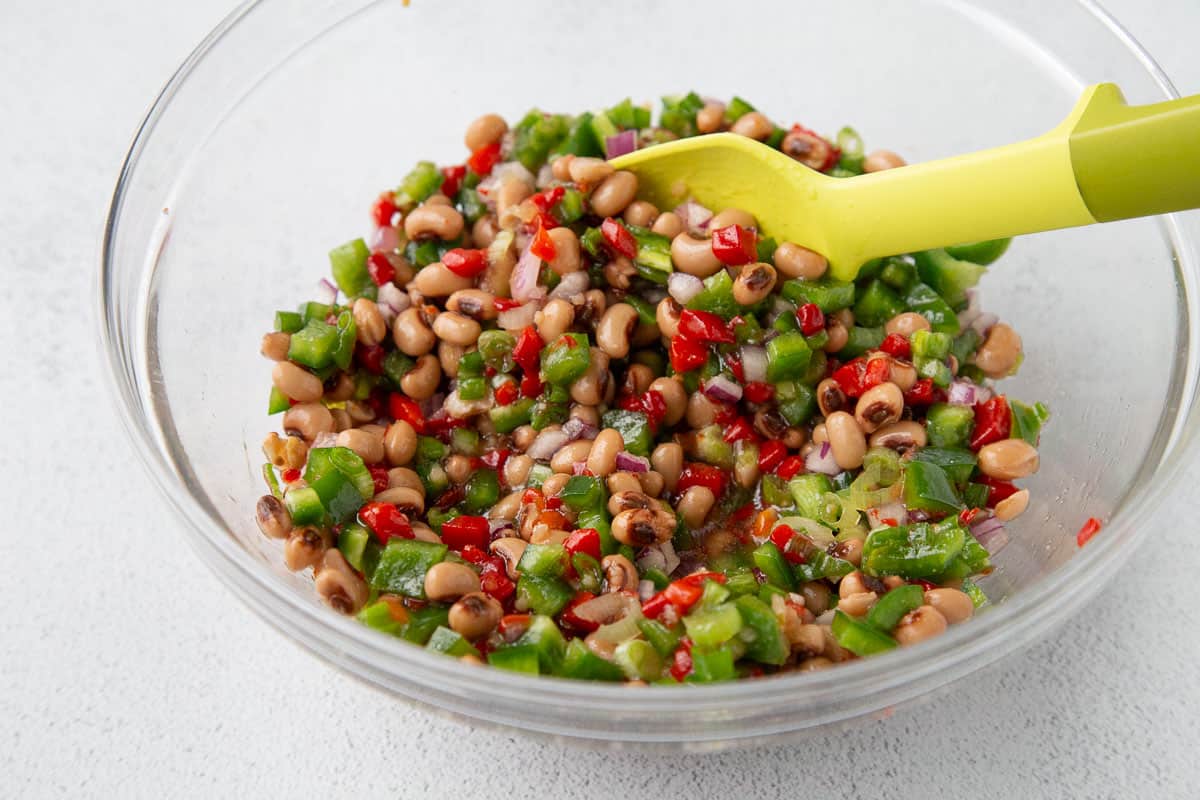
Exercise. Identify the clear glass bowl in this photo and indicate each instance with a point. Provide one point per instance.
(267, 146)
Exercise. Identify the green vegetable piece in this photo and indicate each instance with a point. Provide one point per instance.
(957, 463)
(304, 505)
(378, 616)
(948, 276)
(277, 402)
(859, 340)
(713, 626)
(653, 259)
(430, 449)
(775, 491)
(565, 359)
(310, 311)
(598, 518)
(313, 345)
(423, 180)
(770, 560)
(543, 595)
(927, 488)
(545, 637)
(710, 667)
(925, 301)
(403, 564)
(325, 460)
(466, 441)
(535, 136)
(972, 590)
(422, 622)
(634, 427)
(679, 114)
(930, 344)
(582, 491)
(288, 321)
(352, 541)
(515, 658)
(638, 659)
(766, 644)
(453, 644)
(543, 560)
(980, 252)
(268, 473)
(538, 474)
(512, 416)
(495, 347)
(809, 492)
(581, 663)
(716, 297)
(899, 275)
(587, 569)
(888, 611)
(787, 356)
(483, 490)
(858, 637)
(949, 425)
(347, 334)
(877, 304)
(797, 401)
(663, 639)
(828, 294)
(348, 262)
(736, 109)
(1027, 421)
(821, 565)
(975, 495)
(395, 366)
(965, 345)
(913, 551)
(581, 139)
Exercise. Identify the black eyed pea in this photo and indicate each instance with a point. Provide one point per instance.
(700, 411)
(732, 216)
(510, 548)
(694, 256)
(296, 382)
(809, 149)
(620, 483)
(410, 333)
(795, 261)
(343, 388)
(814, 664)
(920, 624)
(289, 452)
(627, 499)
(566, 251)
(449, 356)
(857, 604)
(902, 436)
(589, 170)
(524, 435)
(484, 231)
(587, 414)
(1012, 506)
(594, 305)
(902, 373)
(806, 638)
(475, 615)
(564, 460)
(816, 596)
(847, 440)
(666, 314)
(849, 550)
(845, 316)
(614, 193)
(421, 382)
(830, 397)
(753, 283)
(795, 437)
(651, 482)
(436, 280)
(308, 420)
(641, 213)
(638, 378)
(560, 167)
(516, 470)
(602, 458)
(304, 548)
(838, 336)
(369, 448)
(360, 411)
(458, 468)
(641, 527)
(711, 118)
(341, 420)
(1000, 352)
(667, 460)
(485, 130)
(456, 329)
(880, 405)
(275, 345)
(674, 396)
(511, 194)
(507, 507)
(405, 478)
(612, 334)
(619, 573)
(907, 324)
(554, 319)
(619, 272)
(1009, 459)
(854, 583)
(953, 605)
(433, 221)
(339, 585)
(668, 224)
(447, 581)
(272, 517)
(695, 504)
(590, 388)
(407, 501)
(369, 324)
(820, 434)
(473, 303)
(880, 160)
(753, 125)
(437, 199)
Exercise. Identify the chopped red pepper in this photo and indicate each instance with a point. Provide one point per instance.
(405, 408)
(851, 376)
(379, 476)
(739, 430)
(790, 467)
(385, 521)
(811, 318)
(745, 512)
(782, 536)
(734, 245)
(687, 354)
(993, 422)
(465, 263)
(758, 392)
(726, 413)
(683, 595)
(618, 237)
(921, 394)
(968, 515)
(371, 357)
(484, 159)
(505, 304)
(452, 178)
(496, 583)
(771, 454)
(513, 626)
(459, 532)
(681, 662)
(655, 606)
(924, 584)
(380, 269)
(704, 326)
(528, 349)
(531, 385)
(735, 366)
(655, 407)
(1089, 529)
(571, 619)
(384, 209)
(542, 245)
(998, 490)
(896, 346)
(494, 459)
(695, 474)
(584, 540)
(293, 475)
(546, 200)
(506, 393)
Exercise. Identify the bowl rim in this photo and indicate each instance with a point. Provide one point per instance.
(874, 683)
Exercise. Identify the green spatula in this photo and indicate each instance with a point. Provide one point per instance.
(1106, 161)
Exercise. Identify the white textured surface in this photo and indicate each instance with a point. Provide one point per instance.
(127, 670)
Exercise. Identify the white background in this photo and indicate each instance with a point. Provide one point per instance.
(127, 670)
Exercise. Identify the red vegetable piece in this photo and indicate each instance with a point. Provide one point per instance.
(547, 199)
(459, 532)
(771, 454)
(682, 594)
(739, 430)
(371, 357)
(571, 619)
(896, 346)
(758, 392)
(681, 662)
(655, 407)
(528, 350)
(998, 490)
(921, 394)
(734, 245)
(655, 606)
(542, 245)
(484, 159)
(782, 536)
(687, 354)
(811, 318)
(584, 540)
(452, 178)
(405, 408)
(379, 476)
(385, 521)
(293, 475)
(1089, 529)
(497, 584)
(993, 422)
(695, 474)
(850, 377)
(465, 263)
(506, 393)
(618, 237)
(790, 467)
(380, 269)
(505, 304)
(384, 209)
(704, 326)
(877, 371)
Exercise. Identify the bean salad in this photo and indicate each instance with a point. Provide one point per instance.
(539, 423)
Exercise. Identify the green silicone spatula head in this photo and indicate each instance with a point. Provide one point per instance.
(1106, 161)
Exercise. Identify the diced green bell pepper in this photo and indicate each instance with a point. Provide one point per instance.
(348, 262)
(313, 345)
(927, 488)
(451, 643)
(1027, 420)
(679, 114)
(767, 644)
(543, 560)
(797, 402)
(713, 626)
(581, 139)
(304, 505)
(277, 402)
(913, 551)
(352, 541)
(535, 136)
(403, 564)
(422, 180)
(515, 658)
(809, 492)
(638, 659)
(859, 340)
(495, 347)
(774, 566)
(710, 667)
(821, 565)
(543, 595)
(288, 321)
(582, 491)
(736, 109)
(877, 304)
(483, 490)
(787, 356)
(634, 427)
(858, 637)
(828, 294)
(653, 259)
(581, 663)
(949, 425)
(565, 359)
(395, 366)
(898, 274)
(347, 335)
(716, 297)
(545, 637)
(663, 639)
(891, 608)
(512, 416)
(980, 252)
(922, 299)
(310, 311)
(948, 276)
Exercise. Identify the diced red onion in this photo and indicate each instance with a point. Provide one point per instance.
(576, 428)
(325, 439)
(646, 590)
(547, 443)
(991, 534)
(524, 278)
(628, 462)
(384, 240)
(984, 322)
(983, 394)
(961, 393)
(695, 217)
(821, 460)
(668, 551)
(894, 512)
(754, 363)
(572, 284)
(326, 292)
(684, 287)
(391, 301)
(652, 558)
(514, 319)
(722, 389)
(624, 142)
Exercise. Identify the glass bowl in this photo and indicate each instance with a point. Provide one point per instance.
(268, 145)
